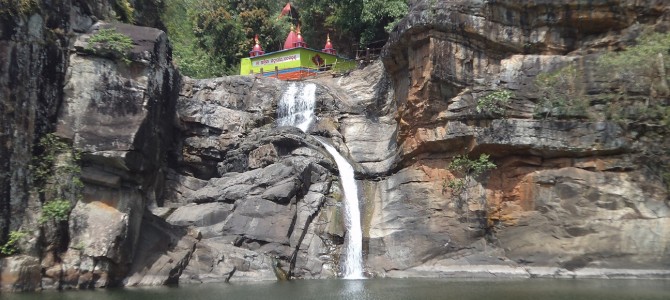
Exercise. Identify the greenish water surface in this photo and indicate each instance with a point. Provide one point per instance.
(383, 289)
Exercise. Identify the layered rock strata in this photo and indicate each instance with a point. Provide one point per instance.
(567, 189)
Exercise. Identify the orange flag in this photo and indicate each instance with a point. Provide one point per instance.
(286, 10)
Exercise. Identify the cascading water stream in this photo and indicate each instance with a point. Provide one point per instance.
(296, 108)
(353, 261)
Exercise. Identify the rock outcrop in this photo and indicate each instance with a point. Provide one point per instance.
(118, 114)
(252, 190)
(568, 188)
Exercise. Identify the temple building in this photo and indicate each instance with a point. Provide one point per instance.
(296, 61)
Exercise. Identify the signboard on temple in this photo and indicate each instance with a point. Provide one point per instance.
(276, 60)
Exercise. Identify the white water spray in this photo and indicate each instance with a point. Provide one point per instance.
(353, 262)
(296, 108)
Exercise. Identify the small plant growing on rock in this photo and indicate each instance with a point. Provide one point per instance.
(467, 168)
(57, 210)
(562, 94)
(494, 103)
(117, 44)
(12, 245)
(57, 173)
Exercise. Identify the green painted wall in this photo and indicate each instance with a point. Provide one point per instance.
(285, 59)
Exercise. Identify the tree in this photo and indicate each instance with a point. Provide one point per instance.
(352, 24)
(211, 36)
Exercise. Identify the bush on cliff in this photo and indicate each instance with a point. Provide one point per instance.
(109, 41)
(56, 173)
(12, 245)
(494, 103)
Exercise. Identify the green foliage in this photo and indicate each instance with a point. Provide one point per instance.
(380, 14)
(495, 102)
(125, 11)
(639, 58)
(42, 165)
(467, 168)
(108, 39)
(57, 210)
(210, 37)
(192, 60)
(463, 165)
(349, 22)
(643, 66)
(562, 94)
(457, 185)
(57, 174)
(12, 244)
(16, 8)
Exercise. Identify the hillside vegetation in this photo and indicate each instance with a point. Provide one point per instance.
(210, 37)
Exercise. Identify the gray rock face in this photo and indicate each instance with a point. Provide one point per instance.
(252, 190)
(162, 253)
(33, 61)
(117, 114)
(259, 213)
(214, 115)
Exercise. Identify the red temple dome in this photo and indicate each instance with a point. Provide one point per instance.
(328, 48)
(291, 39)
(257, 50)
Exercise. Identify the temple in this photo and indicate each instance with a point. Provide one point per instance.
(296, 61)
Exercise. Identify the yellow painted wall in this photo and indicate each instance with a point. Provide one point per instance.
(268, 61)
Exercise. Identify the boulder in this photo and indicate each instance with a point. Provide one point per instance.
(20, 273)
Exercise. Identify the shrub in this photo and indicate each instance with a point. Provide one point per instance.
(639, 58)
(57, 210)
(51, 176)
(12, 244)
(117, 44)
(468, 167)
(464, 167)
(57, 175)
(562, 94)
(495, 102)
(643, 66)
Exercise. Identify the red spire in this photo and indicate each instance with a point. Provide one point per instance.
(300, 42)
(328, 48)
(290, 39)
(257, 50)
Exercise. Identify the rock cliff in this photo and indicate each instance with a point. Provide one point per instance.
(572, 189)
(188, 180)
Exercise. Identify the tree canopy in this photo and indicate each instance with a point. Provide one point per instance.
(211, 36)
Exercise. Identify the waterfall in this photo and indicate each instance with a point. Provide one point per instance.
(296, 108)
(353, 261)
